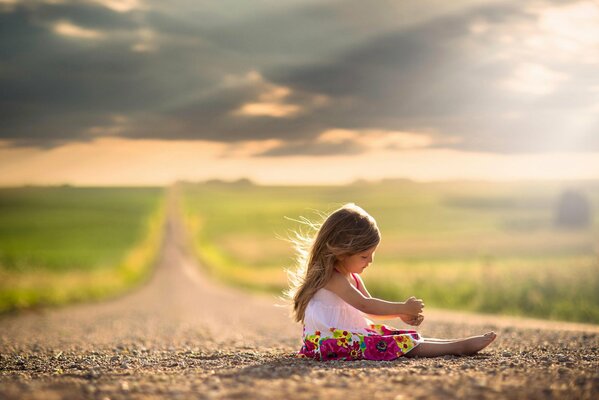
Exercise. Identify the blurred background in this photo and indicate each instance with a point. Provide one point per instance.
(468, 129)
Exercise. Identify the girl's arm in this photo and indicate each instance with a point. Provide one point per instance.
(365, 292)
(370, 305)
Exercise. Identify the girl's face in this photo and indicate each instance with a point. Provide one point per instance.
(358, 262)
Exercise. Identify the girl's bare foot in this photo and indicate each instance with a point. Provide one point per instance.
(474, 344)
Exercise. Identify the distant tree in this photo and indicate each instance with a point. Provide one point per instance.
(573, 210)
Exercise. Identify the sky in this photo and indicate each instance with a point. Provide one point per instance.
(297, 91)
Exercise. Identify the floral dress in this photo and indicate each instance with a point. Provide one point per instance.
(334, 330)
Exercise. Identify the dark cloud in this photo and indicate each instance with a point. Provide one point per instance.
(56, 88)
(377, 65)
(314, 148)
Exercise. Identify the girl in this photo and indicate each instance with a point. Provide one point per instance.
(330, 299)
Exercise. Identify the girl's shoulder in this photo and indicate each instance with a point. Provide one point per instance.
(337, 281)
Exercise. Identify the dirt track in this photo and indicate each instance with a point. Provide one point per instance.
(184, 336)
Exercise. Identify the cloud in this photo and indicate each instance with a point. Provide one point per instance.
(471, 75)
(54, 89)
(66, 28)
(472, 86)
(345, 147)
(342, 141)
(273, 101)
(122, 6)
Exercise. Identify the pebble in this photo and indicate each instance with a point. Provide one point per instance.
(562, 358)
(93, 374)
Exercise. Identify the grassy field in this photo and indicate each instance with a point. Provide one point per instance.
(64, 244)
(473, 246)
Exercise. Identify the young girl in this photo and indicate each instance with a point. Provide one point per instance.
(330, 299)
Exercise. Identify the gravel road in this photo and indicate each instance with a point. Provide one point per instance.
(184, 336)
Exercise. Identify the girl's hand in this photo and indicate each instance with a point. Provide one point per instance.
(414, 306)
(413, 320)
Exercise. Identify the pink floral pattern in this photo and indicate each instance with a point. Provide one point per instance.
(382, 343)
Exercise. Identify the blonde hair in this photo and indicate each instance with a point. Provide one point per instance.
(347, 231)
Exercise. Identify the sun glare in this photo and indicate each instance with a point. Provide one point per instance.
(534, 79)
(576, 24)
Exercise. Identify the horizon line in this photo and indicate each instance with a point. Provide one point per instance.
(248, 181)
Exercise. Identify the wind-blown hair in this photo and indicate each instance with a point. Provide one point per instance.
(345, 232)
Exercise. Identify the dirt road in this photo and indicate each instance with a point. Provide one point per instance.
(184, 336)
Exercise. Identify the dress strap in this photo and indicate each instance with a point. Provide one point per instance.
(357, 281)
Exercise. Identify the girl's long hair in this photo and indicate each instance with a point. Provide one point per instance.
(345, 232)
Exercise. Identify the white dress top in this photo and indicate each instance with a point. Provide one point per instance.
(327, 310)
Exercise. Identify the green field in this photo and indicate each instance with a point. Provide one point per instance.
(474, 246)
(63, 244)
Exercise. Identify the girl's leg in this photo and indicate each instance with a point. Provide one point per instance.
(460, 347)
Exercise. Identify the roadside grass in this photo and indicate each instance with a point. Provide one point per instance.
(65, 244)
(471, 246)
